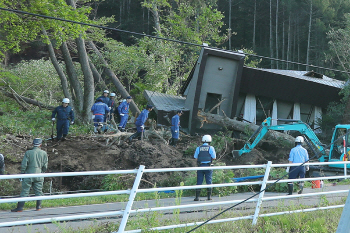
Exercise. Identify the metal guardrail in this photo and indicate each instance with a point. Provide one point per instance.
(132, 193)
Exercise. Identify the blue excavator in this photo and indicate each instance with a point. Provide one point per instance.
(339, 148)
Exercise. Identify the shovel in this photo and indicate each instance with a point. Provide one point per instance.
(53, 123)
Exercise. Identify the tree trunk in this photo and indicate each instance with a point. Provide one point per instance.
(289, 40)
(271, 38)
(59, 70)
(77, 92)
(309, 39)
(89, 88)
(239, 125)
(134, 109)
(27, 100)
(277, 65)
(254, 26)
(97, 76)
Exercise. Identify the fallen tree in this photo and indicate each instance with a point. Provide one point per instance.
(233, 124)
(20, 98)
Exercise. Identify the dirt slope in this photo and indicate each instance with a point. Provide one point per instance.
(93, 154)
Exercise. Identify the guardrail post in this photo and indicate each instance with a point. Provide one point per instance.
(133, 192)
(261, 195)
(345, 170)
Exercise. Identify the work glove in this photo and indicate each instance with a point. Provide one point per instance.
(109, 108)
(142, 127)
(175, 131)
(121, 114)
(287, 170)
(307, 168)
(53, 119)
(72, 122)
(93, 117)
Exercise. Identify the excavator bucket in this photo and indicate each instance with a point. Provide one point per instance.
(235, 153)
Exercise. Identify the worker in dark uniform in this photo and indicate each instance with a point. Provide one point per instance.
(175, 128)
(65, 118)
(298, 154)
(99, 110)
(34, 161)
(2, 165)
(105, 100)
(112, 105)
(140, 122)
(116, 112)
(123, 110)
(204, 155)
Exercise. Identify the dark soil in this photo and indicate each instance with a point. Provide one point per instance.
(93, 154)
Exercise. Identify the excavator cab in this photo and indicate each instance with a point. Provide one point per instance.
(338, 146)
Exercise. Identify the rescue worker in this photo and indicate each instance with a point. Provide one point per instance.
(204, 155)
(34, 161)
(175, 128)
(104, 97)
(123, 110)
(298, 154)
(116, 112)
(111, 105)
(98, 110)
(140, 122)
(65, 118)
(2, 164)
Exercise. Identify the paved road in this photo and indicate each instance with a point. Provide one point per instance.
(191, 214)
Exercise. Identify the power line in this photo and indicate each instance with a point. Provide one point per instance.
(162, 38)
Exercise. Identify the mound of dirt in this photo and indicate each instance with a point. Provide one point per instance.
(96, 154)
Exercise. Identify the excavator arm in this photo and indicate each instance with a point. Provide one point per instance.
(295, 125)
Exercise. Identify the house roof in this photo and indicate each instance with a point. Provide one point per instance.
(165, 102)
(309, 76)
(289, 85)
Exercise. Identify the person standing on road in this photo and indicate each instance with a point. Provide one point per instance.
(140, 122)
(65, 118)
(123, 110)
(2, 165)
(298, 154)
(204, 155)
(99, 110)
(175, 128)
(34, 161)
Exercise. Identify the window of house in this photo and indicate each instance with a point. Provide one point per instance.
(212, 100)
(263, 108)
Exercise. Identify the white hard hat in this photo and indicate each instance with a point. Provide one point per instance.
(112, 94)
(299, 139)
(206, 138)
(65, 100)
(106, 91)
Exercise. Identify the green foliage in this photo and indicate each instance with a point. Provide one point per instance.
(117, 182)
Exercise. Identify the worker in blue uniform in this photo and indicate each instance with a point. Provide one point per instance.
(104, 97)
(175, 128)
(140, 122)
(65, 118)
(105, 100)
(112, 105)
(123, 110)
(204, 155)
(298, 154)
(99, 110)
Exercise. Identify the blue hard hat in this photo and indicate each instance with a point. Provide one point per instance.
(37, 141)
(149, 106)
(129, 97)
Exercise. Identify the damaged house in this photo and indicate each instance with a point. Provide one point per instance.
(249, 94)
